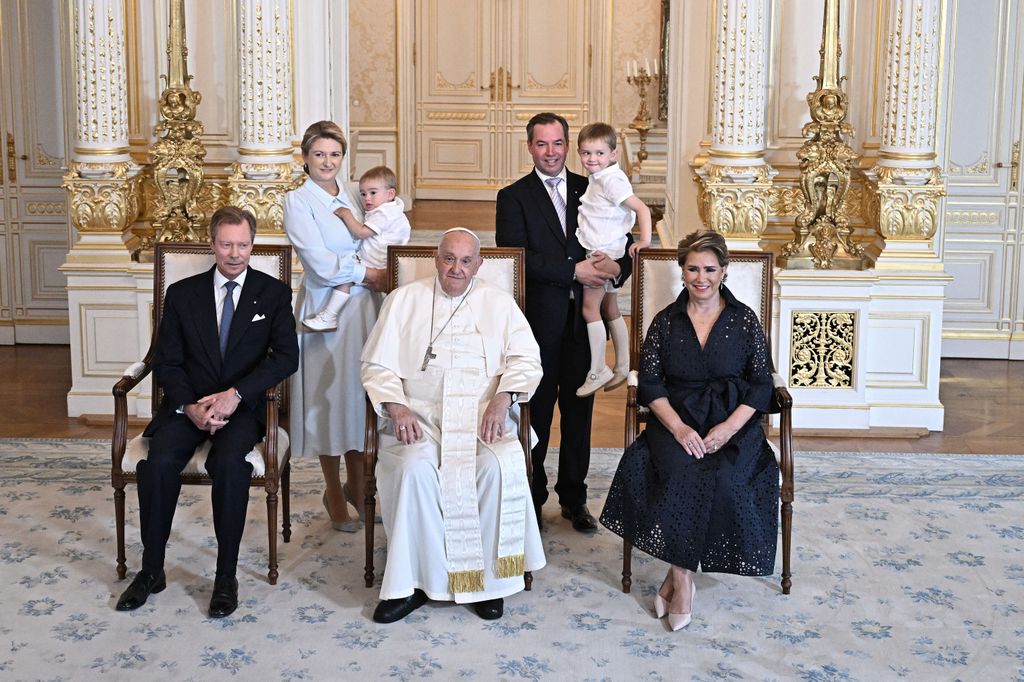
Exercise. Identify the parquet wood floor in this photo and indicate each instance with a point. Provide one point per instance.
(982, 399)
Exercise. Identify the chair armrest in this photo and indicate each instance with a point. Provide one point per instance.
(782, 396)
(270, 457)
(133, 376)
(632, 423)
(370, 438)
(786, 460)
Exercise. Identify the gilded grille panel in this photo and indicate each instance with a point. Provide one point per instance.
(823, 349)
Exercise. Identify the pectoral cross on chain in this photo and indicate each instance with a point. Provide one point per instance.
(427, 357)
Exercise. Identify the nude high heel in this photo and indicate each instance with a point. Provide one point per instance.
(678, 621)
(660, 606)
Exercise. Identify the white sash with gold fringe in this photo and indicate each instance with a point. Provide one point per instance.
(459, 503)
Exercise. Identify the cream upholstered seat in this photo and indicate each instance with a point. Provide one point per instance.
(270, 458)
(503, 268)
(657, 281)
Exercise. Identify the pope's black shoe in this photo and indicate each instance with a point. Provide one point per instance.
(581, 518)
(143, 584)
(224, 599)
(391, 610)
(491, 609)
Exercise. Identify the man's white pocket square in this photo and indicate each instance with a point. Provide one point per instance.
(257, 317)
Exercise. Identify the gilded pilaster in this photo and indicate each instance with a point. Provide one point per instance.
(735, 180)
(101, 181)
(907, 183)
(265, 169)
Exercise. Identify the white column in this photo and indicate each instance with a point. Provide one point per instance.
(264, 86)
(101, 86)
(908, 183)
(735, 181)
(911, 85)
(740, 83)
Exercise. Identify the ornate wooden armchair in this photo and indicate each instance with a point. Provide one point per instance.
(270, 459)
(656, 283)
(502, 267)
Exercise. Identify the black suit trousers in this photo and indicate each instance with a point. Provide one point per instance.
(566, 361)
(159, 484)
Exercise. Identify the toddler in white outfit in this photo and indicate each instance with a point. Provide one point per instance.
(385, 223)
(608, 210)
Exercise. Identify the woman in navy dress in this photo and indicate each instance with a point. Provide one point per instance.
(700, 486)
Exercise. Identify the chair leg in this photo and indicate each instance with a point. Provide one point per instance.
(627, 566)
(122, 566)
(272, 533)
(286, 501)
(370, 482)
(528, 580)
(787, 539)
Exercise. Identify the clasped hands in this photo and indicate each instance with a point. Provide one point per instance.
(492, 426)
(211, 412)
(696, 446)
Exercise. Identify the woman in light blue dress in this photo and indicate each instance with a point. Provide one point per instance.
(327, 406)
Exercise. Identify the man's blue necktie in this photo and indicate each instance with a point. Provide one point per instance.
(225, 316)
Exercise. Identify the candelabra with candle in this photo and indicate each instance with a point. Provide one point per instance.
(640, 77)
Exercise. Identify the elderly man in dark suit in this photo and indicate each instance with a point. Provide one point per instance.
(226, 336)
(539, 213)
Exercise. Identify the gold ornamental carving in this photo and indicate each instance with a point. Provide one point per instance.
(12, 160)
(102, 204)
(178, 153)
(906, 201)
(822, 235)
(45, 207)
(456, 116)
(972, 217)
(534, 84)
(980, 167)
(443, 83)
(786, 201)
(735, 209)
(263, 197)
(823, 349)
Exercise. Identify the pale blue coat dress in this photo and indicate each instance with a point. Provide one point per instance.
(327, 410)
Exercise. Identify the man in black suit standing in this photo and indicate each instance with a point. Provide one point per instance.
(539, 213)
(226, 336)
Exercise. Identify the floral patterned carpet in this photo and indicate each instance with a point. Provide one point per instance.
(905, 567)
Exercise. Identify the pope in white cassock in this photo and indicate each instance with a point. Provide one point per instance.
(446, 363)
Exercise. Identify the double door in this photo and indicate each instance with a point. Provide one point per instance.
(983, 238)
(34, 228)
(483, 68)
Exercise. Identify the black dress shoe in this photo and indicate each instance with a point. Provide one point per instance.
(143, 584)
(390, 610)
(490, 609)
(581, 518)
(224, 599)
